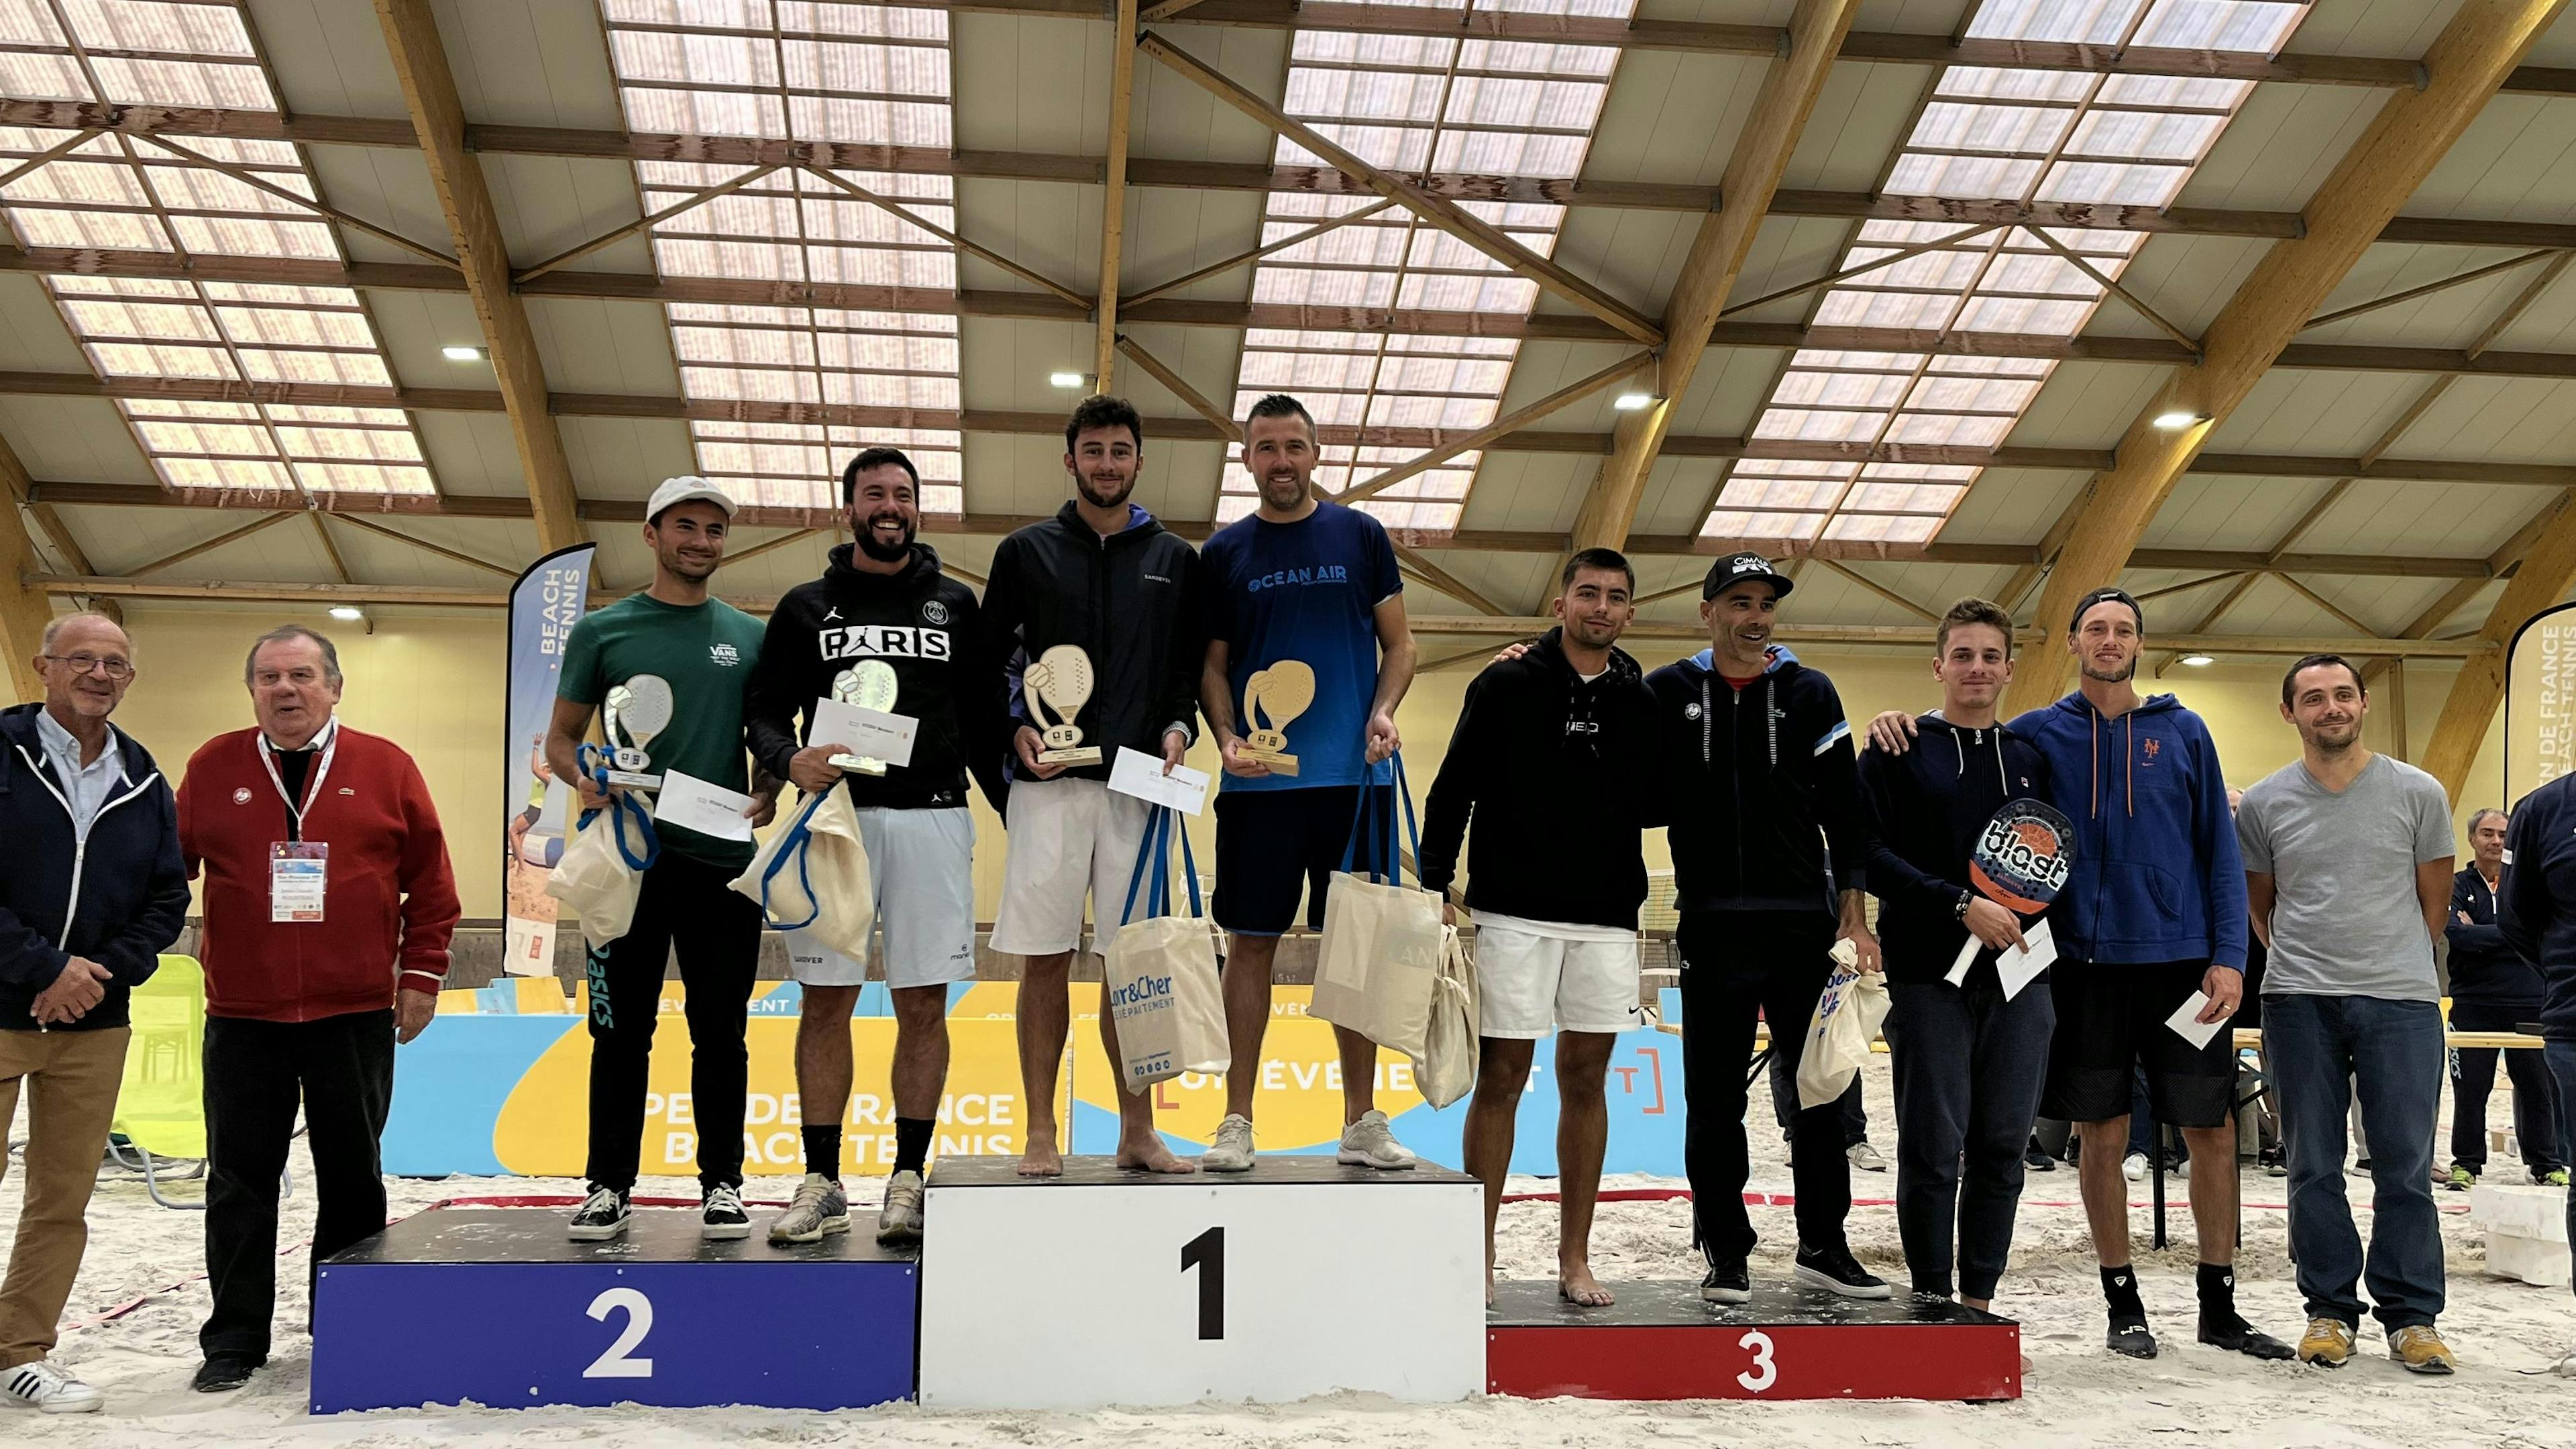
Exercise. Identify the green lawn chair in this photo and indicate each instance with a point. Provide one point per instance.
(161, 1106)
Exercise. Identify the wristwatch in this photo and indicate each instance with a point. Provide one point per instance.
(1961, 910)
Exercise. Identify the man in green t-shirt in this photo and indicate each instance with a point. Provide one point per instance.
(670, 644)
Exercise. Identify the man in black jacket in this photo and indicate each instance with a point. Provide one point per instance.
(1553, 758)
(2534, 911)
(93, 893)
(1102, 577)
(2493, 988)
(1756, 760)
(882, 599)
(1969, 1060)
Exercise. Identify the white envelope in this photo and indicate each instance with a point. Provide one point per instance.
(1139, 774)
(2014, 968)
(693, 804)
(870, 734)
(2192, 1031)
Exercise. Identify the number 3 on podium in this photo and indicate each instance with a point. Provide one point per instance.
(1764, 1372)
(1206, 1252)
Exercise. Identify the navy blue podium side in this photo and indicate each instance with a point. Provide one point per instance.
(493, 1306)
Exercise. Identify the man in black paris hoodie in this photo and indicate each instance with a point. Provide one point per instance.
(1104, 578)
(1553, 758)
(882, 598)
(1968, 1063)
(1756, 760)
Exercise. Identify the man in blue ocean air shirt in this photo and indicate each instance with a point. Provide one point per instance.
(1308, 580)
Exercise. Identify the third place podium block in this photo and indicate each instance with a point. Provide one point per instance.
(1105, 1286)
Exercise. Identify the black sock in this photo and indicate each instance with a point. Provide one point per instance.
(912, 1142)
(2120, 1285)
(823, 1151)
(2217, 1290)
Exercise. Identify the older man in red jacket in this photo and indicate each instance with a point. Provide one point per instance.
(328, 907)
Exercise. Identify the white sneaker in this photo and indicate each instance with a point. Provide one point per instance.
(2135, 1167)
(42, 1386)
(900, 1220)
(1232, 1150)
(1370, 1142)
(1865, 1157)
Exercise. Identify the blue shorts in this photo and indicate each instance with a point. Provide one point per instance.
(1273, 846)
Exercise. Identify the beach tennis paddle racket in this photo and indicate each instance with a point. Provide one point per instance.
(2019, 862)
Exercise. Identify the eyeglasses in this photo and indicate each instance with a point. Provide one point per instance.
(113, 668)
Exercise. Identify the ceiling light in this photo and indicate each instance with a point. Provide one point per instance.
(2197, 661)
(1065, 379)
(347, 613)
(1633, 402)
(461, 354)
(2177, 420)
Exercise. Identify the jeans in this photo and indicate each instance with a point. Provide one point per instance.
(1784, 1104)
(688, 906)
(2473, 1069)
(1969, 1066)
(1738, 965)
(2561, 1056)
(2324, 1049)
(341, 1068)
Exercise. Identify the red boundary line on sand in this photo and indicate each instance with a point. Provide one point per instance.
(1784, 1199)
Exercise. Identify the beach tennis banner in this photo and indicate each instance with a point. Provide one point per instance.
(2540, 702)
(497, 1084)
(544, 605)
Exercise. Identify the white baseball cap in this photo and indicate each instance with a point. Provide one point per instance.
(688, 490)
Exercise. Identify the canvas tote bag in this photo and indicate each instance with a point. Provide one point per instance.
(1446, 1070)
(813, 876)
(1159, 974)
(601, 872)
(1380, 957)
(1847, 1018)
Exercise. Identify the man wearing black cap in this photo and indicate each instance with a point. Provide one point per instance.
(2154, 911)
(1760, 759)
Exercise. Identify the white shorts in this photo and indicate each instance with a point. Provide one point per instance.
(1068, 838)
(1534, 976)
(922, 864)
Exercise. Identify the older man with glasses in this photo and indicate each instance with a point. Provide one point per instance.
(93, 891)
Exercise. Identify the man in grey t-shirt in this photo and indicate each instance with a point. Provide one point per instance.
(2348, 870)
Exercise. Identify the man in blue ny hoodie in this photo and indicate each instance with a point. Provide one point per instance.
(2153, 911)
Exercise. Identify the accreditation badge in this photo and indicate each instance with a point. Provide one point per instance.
(299, 875)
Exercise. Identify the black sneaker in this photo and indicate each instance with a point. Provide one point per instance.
(2036, 1160)
(2222, 1328)
(604, 1215)
(1727, 1282)
(720, 1215)
(222, 1373)
(1835, 1270)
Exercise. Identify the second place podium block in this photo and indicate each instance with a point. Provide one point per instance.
(1105, 1286)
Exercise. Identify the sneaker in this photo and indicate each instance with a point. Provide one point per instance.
(1835, 1270)
(2276, 1167)
(1232, 1150)
(899, 1221)
(2554, 1177)
(1731, 1282)
(2327, 1343)
(1370, 1142)
(819, 1207)
(222, 1373)
(2421, 1350)
(2134, 1167)
(1865, 1157)
(2036, 1160)
(2224, 1329)
(720, 1215)
(42, 1386)
(604, 1215)
(2459, 1179)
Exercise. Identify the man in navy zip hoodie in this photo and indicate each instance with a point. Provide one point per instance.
(1757, 757)
(2493, 987)
(2536, 911)
(94, 891)
(2154, 909)
(1968, 1061)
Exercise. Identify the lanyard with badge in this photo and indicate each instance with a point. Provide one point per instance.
(299, 869)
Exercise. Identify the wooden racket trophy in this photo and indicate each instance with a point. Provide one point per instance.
(1272, 698)
(1059, 680)
(636, 711)
(870, 684)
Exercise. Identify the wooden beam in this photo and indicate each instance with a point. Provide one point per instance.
(2547, 541)
(690, 202)
(2463, 68)
(1440, 212)
(1762, 151)
(1113, 200)
(1179, 387)
(1501, 427)
(207, 546)
(1445, 581)
(1293, 239)
(782, 541)
(24, 609)
(429, 90)
(424, 545)
(21, 492)
(911, 217)
(331, 549)
(2341, 314)
(1882, 590)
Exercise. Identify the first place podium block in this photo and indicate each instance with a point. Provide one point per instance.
(493, 1306)
(1104, 1286)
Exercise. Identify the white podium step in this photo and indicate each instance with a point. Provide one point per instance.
(1103, 1286)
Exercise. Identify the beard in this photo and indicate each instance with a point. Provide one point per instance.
(883, 552)
(1591, 635)
(1284, 495)
(1093, 492)
(2334, 739)
(2113, 676)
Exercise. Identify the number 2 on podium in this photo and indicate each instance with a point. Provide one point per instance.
(616, 1363)
(1206, 1252)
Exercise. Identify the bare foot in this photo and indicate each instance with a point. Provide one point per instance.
(1041, 1160)
(1576, 1283)
(1152, 1156)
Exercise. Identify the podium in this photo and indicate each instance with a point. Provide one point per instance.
(494, 1306)
(1104, 1286)
(1660, 1341)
